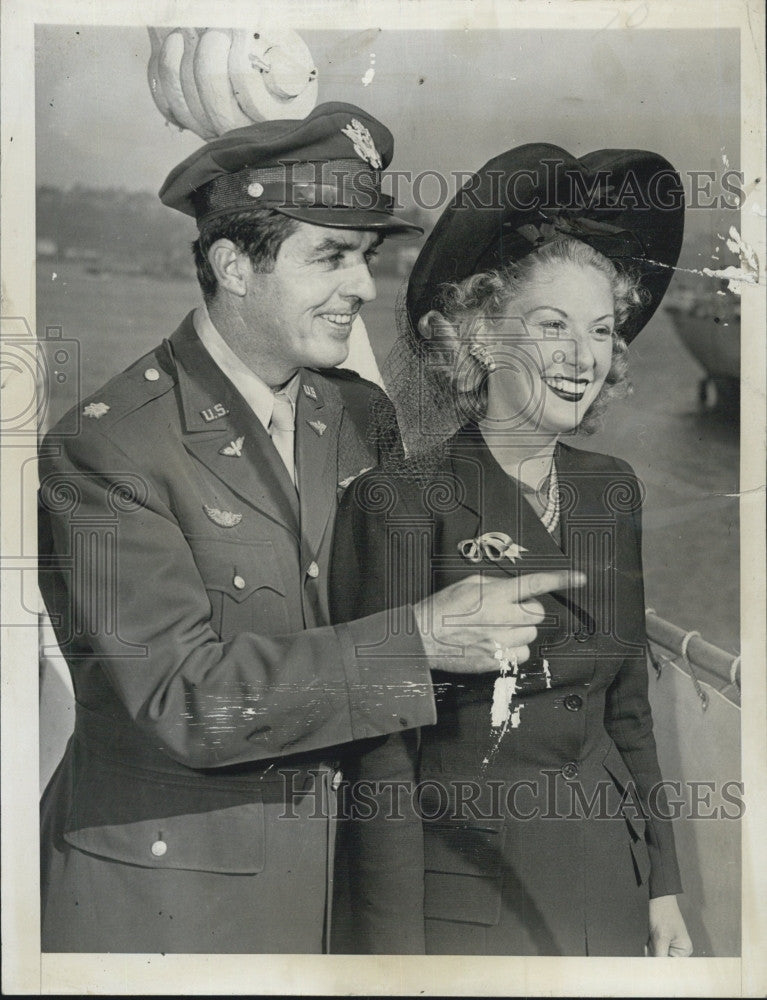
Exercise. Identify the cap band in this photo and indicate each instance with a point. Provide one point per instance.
(295, 186)
(279, 195)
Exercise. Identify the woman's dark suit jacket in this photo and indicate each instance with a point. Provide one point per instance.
(547, 840)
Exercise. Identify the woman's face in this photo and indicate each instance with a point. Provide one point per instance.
(553, 349)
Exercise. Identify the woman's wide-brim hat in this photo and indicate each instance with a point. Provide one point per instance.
(628, 204)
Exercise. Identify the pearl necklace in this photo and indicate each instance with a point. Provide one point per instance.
(550, 515)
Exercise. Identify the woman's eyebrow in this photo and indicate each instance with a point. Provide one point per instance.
(562, 313)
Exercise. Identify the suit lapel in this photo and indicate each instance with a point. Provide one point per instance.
(318, 418)
(226, 436)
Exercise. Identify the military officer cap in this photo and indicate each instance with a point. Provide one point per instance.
(324, 169)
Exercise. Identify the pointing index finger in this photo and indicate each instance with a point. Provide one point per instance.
(535, 584)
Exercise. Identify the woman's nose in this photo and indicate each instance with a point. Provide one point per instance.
(579, 352)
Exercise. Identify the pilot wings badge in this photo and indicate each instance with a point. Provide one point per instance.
(223, 518)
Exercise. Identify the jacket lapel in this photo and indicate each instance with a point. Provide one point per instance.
(223, 433)
(588, 529)
(318, 417)
(496, 504)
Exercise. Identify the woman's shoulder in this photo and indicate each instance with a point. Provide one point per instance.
(583, 460)
(397, 484)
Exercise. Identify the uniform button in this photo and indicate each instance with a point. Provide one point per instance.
(570, 770)
(313, 571)
(158, 848)
(151, 374)
(338, 777)
(582, 635)
(239, 583)
(573, 703)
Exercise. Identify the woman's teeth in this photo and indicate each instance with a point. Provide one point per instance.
(340, 319)
(567, 388)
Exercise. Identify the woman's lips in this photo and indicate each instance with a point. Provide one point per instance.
(571, 389)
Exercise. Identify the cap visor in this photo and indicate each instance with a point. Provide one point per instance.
(350, 218)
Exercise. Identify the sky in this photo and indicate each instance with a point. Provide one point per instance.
(452, 99)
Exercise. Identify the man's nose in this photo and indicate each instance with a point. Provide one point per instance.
(358, 282)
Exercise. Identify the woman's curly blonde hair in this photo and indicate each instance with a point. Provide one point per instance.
(488, 293)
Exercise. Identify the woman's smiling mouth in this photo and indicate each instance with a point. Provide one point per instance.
(571, 389)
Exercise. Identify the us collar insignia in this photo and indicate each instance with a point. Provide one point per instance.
(493, 545)
(363, 143)
(95, 410)
(214, 412)
(317, 426)
(223, 518)
(309, 391)
(234, 448)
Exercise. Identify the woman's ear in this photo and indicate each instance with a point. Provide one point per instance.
(227, 263)
(436, 328)
(443, 341)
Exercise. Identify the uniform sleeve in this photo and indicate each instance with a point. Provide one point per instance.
(628, 720)
(384, 846)
(120, 580)
(375, 568)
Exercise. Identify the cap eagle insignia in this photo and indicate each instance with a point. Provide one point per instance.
(363, 143)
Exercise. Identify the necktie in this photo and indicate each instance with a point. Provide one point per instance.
(282, 431)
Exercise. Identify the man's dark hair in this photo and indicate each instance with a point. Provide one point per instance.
(258, 232)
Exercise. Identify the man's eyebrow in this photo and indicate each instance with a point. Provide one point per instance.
(333, 243)
(336, 243)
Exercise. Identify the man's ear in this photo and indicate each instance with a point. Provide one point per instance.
(229, 264)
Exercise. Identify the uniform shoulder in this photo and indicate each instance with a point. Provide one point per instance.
(148, 378)
(349, 381)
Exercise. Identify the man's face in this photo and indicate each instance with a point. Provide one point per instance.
(301, 313)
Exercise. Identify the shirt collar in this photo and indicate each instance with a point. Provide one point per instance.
(256, 393)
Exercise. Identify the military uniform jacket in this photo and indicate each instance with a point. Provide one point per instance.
(186, 581)
(548, 836)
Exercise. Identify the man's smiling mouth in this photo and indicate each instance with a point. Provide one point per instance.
(339, 319)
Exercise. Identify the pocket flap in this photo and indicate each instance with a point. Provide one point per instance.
(237, 568)
(464, 849)
(229, 841)
(465, 898)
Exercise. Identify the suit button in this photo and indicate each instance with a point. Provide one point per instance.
(582, 635)
(573, 703)
(338, 777)
(159, 848)
(570, 770)
(151, 375)
(239, 583)
(313, 571)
